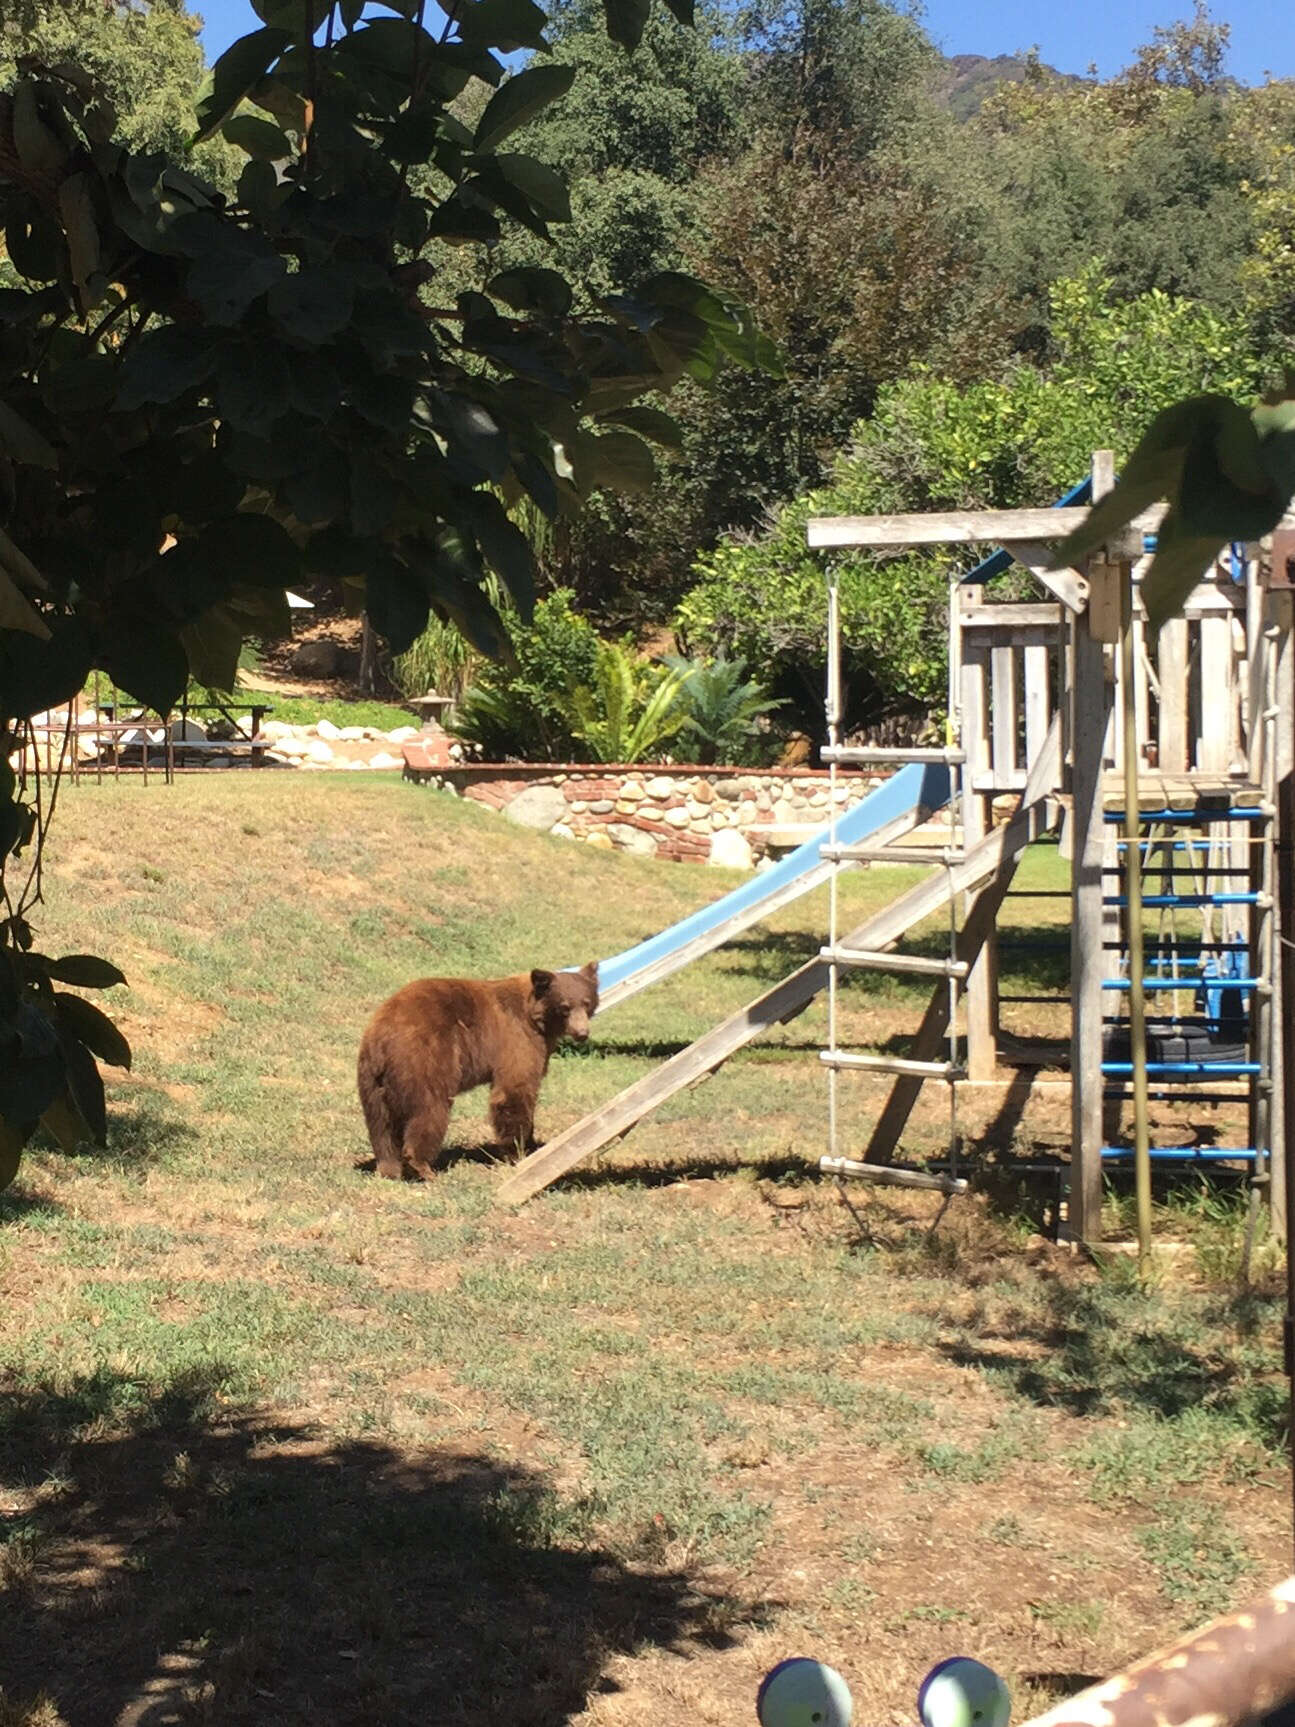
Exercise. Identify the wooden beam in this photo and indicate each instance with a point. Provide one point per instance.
(952, 528)
(1029, 615)
(615, 1119)
(1070, 586)
(1032, 816)
(970, 528)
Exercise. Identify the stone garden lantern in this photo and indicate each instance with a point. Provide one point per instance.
(431, 709)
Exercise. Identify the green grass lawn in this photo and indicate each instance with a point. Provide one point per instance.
(281, 1442)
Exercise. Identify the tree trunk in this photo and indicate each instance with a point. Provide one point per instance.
(368, 676)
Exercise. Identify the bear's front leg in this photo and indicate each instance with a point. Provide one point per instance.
(512, 1116)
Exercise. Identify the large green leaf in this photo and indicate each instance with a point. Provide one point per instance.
(504, 547)
(85, 1088)
(314, 304)
(396, 602)
(1153, 471)
(145, 659)
(260, 139)
(84, 384)
(525, 95)
(165, 363)
(534, 289)
(92, 1027)
(373, 492)
(33, 242)
(462, 600)
(296, 16)
(32, 1068)
(17, 611)
(12, 1140)
(36, 675)
(238, 268)
(319, 493)
(464, 218)
(22, 442)
(627, 20)
(252, 387)
(615, 459)
(235, 72)
(473, 433)
(247, 548)
(544, 188)
(1180, 561)
(648, 422)
(504, 24)
(212, 643)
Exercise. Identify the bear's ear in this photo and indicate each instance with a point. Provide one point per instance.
(590, 971)
(540, 981)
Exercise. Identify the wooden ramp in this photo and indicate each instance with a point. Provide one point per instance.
(998, 850)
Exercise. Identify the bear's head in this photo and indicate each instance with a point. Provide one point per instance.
(565, 1002)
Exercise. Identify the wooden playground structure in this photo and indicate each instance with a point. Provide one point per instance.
(1171, 842)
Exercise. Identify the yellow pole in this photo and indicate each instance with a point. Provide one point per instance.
(1133, 920)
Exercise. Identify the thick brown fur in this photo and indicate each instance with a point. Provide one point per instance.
(445, 1035)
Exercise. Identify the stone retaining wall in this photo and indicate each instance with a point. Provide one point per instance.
(694, 814)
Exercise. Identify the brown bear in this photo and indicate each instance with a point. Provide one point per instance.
(444, 1035)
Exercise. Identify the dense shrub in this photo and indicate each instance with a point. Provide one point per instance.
(522, 710)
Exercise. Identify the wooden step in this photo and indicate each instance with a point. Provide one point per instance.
(886, 1175)
(874, 959)
(842, 1059)
(877, 755)
(863, 853)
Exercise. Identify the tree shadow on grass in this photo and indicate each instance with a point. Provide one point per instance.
(662, 1049)
(188, 1564)
(703, 1168)
(1090, 1352)
(16, 1204)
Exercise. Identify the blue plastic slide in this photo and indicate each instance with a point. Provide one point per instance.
(906, 798)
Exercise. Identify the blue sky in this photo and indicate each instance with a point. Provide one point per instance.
(1069, 35)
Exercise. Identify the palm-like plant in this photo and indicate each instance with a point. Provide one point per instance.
(632, 709)
(724, 708)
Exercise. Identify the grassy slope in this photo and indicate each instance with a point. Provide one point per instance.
(283, 1442)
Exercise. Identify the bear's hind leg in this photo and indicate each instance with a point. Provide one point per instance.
(384, 1133)
(425, 1136)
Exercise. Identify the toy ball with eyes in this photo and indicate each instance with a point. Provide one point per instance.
(961, 1692)
(804, 1693)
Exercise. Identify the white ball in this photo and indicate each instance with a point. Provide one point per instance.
(963, 1693)
(804, 1693)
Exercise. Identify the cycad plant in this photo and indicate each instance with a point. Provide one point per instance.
(723, 709)
(632, 709)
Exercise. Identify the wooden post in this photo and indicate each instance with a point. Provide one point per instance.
(1171, 657)
(1091, 707)
(1133, 918)
(981, 992)
(1282, 614)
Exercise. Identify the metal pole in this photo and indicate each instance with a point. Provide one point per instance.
(1133, 917)
(834, 706)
